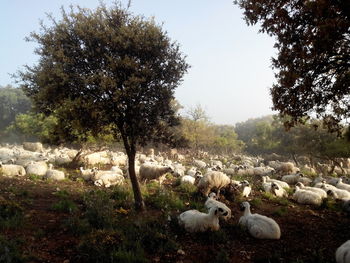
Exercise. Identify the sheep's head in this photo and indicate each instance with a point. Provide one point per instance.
(244, 206)
(275, 186)
(299, 184)
(331, 193)
(212, 195)
(220, 212)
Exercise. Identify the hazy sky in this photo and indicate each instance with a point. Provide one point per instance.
(230, 72)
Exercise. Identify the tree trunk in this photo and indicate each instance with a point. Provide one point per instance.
(139, 204)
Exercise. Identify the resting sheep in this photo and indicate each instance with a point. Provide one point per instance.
(259, 226)
(11, 170)
(342, 254)
(319, 191)
(212, 202)
(195, 221)
(213, 179)
(246, 188)
(292, 178)
(149, 171)
(37, 168)
(109, 179)
(54, 174)
(278, 190)
(343, 186)
(306, 197)
(280, 183)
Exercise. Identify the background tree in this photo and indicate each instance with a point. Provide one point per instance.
(107, 67)
(313, 62)
(13, 101)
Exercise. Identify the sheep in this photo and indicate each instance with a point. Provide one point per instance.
(195, 221)
(199, 164)
(96, 158)
(342, 254)
(280, 183)
(88, 173)
(54, 174)
(246, 189)
(278, 190)
(150, 171)
(286, 168)
(193, 172)
(291, 178)
(11, 170)
(190, 179)
(212, 202)
(339, 194)
(109, 179)
(343, 186)
(259, 226)
(213, 179)
(37, 168)
(266, 185)
(33, 146)
(304, 180)
(306, 197)
(117, 170)
(319, 191)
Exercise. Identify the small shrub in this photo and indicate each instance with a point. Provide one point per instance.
(256, 202)
(222, 257)
(281, 211)
(34, 177)
(164, 199)
(64, 206)
(77, 226)
(123, 196)
(134, 256)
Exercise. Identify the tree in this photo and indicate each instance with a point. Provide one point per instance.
(107, 67)
(12, 102)
(313, 62)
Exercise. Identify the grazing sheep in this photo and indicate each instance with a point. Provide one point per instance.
(54, 174)
(286, 168)
(195, 221)
(292, 178)
(11, 170)
(259, 226)
(149, 171)
(278, 190)
(213, 179)
(280, 183)
(306, 197)
(212, 202)
(317, 190)
(342, 254)
(37, 168)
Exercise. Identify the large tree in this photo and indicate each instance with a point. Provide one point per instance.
(313, 62)
(107, 67)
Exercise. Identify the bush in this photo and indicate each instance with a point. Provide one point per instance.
(10, 251)
(11, 214)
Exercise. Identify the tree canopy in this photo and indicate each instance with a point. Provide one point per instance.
(107, 67)
(313, 61)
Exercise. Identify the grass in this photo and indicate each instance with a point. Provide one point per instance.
(10, 250)
(11, 214)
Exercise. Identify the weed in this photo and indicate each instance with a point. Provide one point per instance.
(281, 211)
(64, 206)
(134, 256)
(222, 257)
(77, 226)
(256, 202)
(34, 177)
(123, 196)
(164, 199)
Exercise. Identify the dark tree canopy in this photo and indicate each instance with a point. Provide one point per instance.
(313, 62)
(107, 67)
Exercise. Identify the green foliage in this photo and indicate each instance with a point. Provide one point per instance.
(122, 195)
(10, 251)
(282, 211)
(64, 205)
(164, 199)
(13, 101)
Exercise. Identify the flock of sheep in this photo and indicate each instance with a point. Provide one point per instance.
(212, 178)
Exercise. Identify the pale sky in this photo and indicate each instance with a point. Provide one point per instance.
(230, 72)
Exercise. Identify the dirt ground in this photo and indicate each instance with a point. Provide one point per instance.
(308, 234)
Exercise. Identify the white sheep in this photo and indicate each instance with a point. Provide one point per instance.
(266, 185)
(280, 183)
(213, 179)
(278, 190)
(87, 174)
(343, 186)
(54, 174)
(292, 178)
(195, 221)
(149, 171)
(11, 170)
(339, 194)
(306, 197)
(33, 146)
(342, 254)
(286, 168)
(117, 170)
(246, 188)
(109, 179)
(259, 226)
(317, 190)
(199, 164)
(37, 168)
(212, 202)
